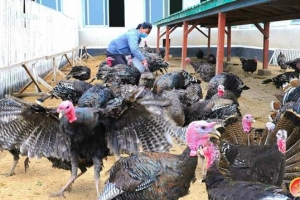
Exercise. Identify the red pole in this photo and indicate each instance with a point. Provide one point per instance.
(184, 45)
(228, 43)
(157, 40)
(208, 42)
(220, 45)
(266, 45)
(167, 43)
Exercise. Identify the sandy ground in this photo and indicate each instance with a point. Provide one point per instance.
(41, 179)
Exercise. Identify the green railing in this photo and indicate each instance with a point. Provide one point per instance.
(201, 7)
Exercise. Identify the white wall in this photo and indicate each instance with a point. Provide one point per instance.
(189, 3)
(134, 13)
(73, 9)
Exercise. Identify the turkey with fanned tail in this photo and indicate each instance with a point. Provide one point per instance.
(266, 156)
(219, 187)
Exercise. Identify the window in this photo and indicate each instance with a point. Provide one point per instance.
(54, 4)
(95, 12)
(117, 13)
(175, 6)
(104, 13)
(154, 10)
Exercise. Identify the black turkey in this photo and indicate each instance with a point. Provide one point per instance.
(219, 187)
(147, 48)
(295, 64)
(199, 54)
(97, 96)
(211, 58)
(281, 61)
(230, 81)
(210, 109)
(177, 80)
(280, 79)
(67, 90)
(79, 72)
(152, 175)
(249, 65)
(79, 139)
(127, 74)
(155, 62)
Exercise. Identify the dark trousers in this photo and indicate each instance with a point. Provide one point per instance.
(118, 59)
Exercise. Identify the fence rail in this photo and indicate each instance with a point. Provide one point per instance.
(290, 54)
(32, 31)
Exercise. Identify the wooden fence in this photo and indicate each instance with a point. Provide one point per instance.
(31, 33)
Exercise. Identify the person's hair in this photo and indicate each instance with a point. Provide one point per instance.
(145, 25)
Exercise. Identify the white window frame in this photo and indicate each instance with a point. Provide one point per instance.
(86, 14)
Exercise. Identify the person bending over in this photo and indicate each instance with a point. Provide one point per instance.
(128, 44)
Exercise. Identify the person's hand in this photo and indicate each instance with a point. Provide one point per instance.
(129, 62)
(145, 63)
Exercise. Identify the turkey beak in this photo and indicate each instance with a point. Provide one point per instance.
(215, 134)
(60, 114)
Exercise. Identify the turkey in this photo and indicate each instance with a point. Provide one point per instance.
(127, 74)
(249, 65)
(15, 115)
(225, 94)
(192, 94)
(152, 175)
(97, 96)
(230, 81)
(79, 72)
(281, 61)
(280, 79)
(211, 58)
(195, 65)
(219, 187)
(177, 80)
(199, 54)
(67, 90)
(82, 136)
(147, 48)
(271, 157)
(210, 109)
(256, 166)
(295, 64)
(155, 62)
(206, 70)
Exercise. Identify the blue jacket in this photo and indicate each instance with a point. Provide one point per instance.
(126, 44)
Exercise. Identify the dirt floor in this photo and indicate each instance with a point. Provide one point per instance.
(41, 179)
